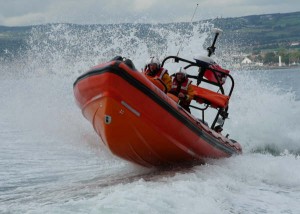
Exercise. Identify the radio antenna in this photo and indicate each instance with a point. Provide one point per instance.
(190, 22)
(194, 13)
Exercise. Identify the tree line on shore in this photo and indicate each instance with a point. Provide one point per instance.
(287, 57)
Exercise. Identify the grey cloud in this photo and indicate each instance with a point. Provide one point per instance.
(29, 12)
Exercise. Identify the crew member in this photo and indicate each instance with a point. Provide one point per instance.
(182, 88)
(153, 68)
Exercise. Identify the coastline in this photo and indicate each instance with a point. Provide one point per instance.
(254, 67)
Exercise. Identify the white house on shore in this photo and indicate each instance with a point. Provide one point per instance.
(249, 62)
(246, 60)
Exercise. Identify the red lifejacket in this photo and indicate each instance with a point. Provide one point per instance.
(158, 74)
(183, 88)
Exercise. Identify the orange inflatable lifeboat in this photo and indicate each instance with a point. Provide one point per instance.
(139, 122)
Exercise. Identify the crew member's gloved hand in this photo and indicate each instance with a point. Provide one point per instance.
(181, 96)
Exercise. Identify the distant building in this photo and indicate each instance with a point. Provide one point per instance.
(259, 64)
(246, 60)
(295, 43)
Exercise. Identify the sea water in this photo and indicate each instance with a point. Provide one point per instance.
(51, 160)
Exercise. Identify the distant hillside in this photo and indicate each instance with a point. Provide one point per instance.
(250, 33)
(262, 32)
(13, 38)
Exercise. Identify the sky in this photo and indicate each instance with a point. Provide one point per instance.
(34, 12)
